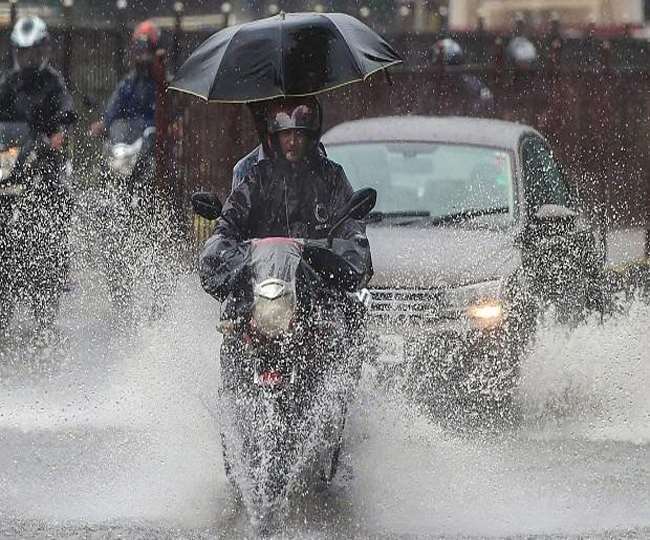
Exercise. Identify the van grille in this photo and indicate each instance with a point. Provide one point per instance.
(404, 305)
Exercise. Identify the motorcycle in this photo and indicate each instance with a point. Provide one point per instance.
(34, 220)
(284, 401)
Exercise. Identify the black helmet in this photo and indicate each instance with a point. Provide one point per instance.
(30, 41)
(521, 53)
(448, 52)
(294, 113)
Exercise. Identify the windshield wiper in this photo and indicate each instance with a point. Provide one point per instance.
(375, 217)
(468, 213)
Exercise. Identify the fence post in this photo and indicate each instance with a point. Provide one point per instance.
(226, 9)
(497, 79)
(67, 37)
(13, 15)
(177, 36)
(120, 48)
(608, 146)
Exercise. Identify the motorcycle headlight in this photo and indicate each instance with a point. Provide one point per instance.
(8, 159)
(123, 159)
(274, 307)
(482, 304)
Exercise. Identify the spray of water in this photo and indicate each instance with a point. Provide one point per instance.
(117, 434)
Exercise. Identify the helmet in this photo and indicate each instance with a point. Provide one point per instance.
(294, 113)
(449, 52)
(289, 114)
(30, 41)
(521, 52)
(146, 34)
(29, 32)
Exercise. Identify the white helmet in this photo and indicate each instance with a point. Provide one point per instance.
(29, 32)
(30, 40)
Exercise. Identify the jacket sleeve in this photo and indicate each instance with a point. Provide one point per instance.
(7, 110)
(244, 167)
(65, 114)
(351, 242)
(115, 105)
(225, 257)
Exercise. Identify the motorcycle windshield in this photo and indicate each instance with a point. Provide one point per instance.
(126, 130)
(275, 258)
(13, 134)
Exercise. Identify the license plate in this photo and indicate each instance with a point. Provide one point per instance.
(390, 349)
(268, 379)
(273, 379)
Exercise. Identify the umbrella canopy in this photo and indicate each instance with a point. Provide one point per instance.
(292, 54)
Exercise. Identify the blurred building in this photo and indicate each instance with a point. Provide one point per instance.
(500, 14)
(47, 9)
(389, 16)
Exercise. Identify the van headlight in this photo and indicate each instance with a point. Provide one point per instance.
(481, 303)
(486, 315)
(274, 307)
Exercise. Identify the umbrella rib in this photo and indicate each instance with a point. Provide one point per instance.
(349, 50)
(225, 52)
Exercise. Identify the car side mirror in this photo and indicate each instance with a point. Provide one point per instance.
(554, 213)
(359, 205)
(206, 204)
(549, 220)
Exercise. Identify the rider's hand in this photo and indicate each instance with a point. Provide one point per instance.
(96, 128)
(57, 140)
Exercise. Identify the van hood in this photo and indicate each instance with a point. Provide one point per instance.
(439, 256)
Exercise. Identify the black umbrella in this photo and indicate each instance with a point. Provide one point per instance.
(292, 54)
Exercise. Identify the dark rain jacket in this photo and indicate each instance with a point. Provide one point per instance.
(245, 165)
(134, 97)
(464, 94)
(278, 199)
(39, 98)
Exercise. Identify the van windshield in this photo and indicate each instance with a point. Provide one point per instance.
(430, 179)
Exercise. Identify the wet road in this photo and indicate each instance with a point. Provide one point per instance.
(111, 437)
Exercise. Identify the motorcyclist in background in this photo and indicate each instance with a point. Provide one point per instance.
(135, 95)
(293, 191)
(34, 93)
(143, 223)
(522, 63)
(521, 54)
(459, 93)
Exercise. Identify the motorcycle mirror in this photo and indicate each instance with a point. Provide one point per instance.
(206, 204)
(361, 203)
(358, 207)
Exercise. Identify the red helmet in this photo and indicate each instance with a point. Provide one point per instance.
(293, 113)
(146, 33)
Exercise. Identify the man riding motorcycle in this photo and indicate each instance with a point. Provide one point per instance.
(135, 96)
(294, 192)
(460, 93)
(287, 362)
(140, 218)
(35, 251)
